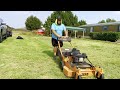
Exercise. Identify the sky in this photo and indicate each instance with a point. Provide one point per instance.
(17, 19)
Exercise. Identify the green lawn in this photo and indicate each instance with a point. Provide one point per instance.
(31, 58)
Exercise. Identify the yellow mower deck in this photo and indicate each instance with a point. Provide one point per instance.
(79, 70)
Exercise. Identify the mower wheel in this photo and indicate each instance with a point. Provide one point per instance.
(61, 64)
(79, 77)
(101, 76)
(96, 75)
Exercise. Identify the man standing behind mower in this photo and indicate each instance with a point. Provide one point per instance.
(57, 28)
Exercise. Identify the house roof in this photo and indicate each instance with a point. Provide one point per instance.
(101, 24)
(74, 28)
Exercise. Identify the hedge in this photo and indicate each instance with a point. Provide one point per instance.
(118, 34)
(106, 36)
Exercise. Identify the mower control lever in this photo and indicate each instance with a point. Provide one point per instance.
(67, 39)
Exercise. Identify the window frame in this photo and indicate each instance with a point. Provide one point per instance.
(103, 28)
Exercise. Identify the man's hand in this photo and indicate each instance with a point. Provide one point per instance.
(64, 36)
(59, 36)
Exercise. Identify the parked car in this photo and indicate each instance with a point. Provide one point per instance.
(40, 32)
(9, 32)
(3, 32)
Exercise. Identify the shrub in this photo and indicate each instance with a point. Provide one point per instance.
(106, 36)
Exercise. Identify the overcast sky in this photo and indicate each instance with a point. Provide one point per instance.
(17, 19)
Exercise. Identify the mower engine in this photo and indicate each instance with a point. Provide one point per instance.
(77, 56)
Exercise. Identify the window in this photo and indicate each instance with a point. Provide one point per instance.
(105, 27)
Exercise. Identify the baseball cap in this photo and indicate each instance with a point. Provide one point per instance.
(59, 18)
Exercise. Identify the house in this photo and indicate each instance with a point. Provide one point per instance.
(101, 27)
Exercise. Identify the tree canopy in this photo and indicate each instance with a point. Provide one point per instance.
(107, 20)
(68, 19)
(33, 23)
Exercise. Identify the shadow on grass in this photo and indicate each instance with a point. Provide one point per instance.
(50, 53)
(57, 61)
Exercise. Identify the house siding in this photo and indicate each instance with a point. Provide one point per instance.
(98, 29)
(111, 28)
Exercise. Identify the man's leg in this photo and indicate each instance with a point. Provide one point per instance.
(54, 48)
(55, 51)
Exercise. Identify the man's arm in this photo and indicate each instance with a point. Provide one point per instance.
(54, 32)
(66, 32)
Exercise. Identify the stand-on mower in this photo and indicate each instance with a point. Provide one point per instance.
(75, 64)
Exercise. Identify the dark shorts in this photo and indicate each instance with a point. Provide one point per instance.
(55, 43)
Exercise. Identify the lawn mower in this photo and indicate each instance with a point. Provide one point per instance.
(75, 64)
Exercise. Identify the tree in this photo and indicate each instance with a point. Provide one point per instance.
(47, 25)
(102, 21)
(113, 20)
(51, 19)
(107, 20)
(82, 22)
(110, 20)
(68, 18)
(33, 23)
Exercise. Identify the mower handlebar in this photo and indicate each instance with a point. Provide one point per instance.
(67, 39)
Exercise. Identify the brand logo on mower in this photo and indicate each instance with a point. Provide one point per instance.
(84, 74)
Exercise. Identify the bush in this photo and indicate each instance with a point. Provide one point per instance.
(33, 23)
(118, 34)
(106, 36)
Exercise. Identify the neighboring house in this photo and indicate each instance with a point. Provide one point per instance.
(101, 27)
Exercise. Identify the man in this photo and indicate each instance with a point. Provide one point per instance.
(57, 28)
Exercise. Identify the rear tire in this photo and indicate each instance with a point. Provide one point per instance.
(101, 76)
(0, 38)
(79, 77)
(10, 34)
(5, 36)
